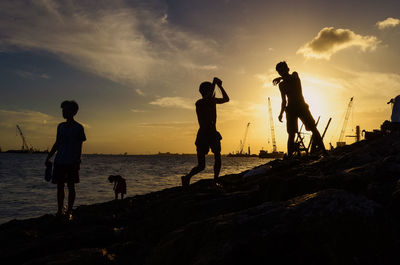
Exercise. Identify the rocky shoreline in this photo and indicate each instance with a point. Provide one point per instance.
(341, 209)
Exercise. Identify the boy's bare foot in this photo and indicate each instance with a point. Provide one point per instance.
(218, 184)
(61, 212)
(68, 214)
(185, 181)
(219, 187)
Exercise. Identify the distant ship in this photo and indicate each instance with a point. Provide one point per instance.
(265, 154)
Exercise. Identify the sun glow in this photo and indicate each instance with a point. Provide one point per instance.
(317, 93)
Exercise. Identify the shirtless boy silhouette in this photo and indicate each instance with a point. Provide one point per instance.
(207, 135)
(295, 107)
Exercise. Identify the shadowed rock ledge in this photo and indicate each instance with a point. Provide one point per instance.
(343, 209)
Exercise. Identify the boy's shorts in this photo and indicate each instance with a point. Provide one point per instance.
(305, 116)
(65, 174)
(207, 140)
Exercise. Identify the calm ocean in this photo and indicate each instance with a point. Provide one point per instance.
(24, 193)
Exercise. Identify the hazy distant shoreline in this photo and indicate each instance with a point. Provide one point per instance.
(101, 154)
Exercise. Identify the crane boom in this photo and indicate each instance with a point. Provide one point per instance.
(271, 121)
(346, 118)
(24, 143)
(244, 139)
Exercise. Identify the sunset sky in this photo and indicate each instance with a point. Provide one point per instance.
(134, 67)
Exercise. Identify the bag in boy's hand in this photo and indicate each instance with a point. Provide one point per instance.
(49, 171)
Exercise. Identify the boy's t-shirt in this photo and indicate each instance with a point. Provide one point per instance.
(70, 137)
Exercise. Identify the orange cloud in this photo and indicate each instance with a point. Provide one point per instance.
(388, 23)
(330, 40)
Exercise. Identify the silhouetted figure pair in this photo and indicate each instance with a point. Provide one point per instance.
(294, 105)
(207, 135)
(68, 145)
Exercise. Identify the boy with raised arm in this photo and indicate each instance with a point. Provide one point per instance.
(295, 107)
(68, 145)
(207, 135)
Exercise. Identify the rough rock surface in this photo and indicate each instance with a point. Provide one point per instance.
(340, 209)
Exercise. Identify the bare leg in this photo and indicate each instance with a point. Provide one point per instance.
(290, 144)
(60, 197)
(217, 165)
(201, 164)
(71, 196)
(318, 139)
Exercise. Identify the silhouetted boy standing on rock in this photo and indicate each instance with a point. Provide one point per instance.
(207, 135)
(68, 145)
(295, 107)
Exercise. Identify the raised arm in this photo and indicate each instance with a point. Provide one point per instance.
(225, 97)
(283, 105)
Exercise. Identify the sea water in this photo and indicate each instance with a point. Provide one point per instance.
(24, 193)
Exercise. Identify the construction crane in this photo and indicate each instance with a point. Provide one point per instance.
(271, 121)
(25, 146)
(243, 143)
(340, 142)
